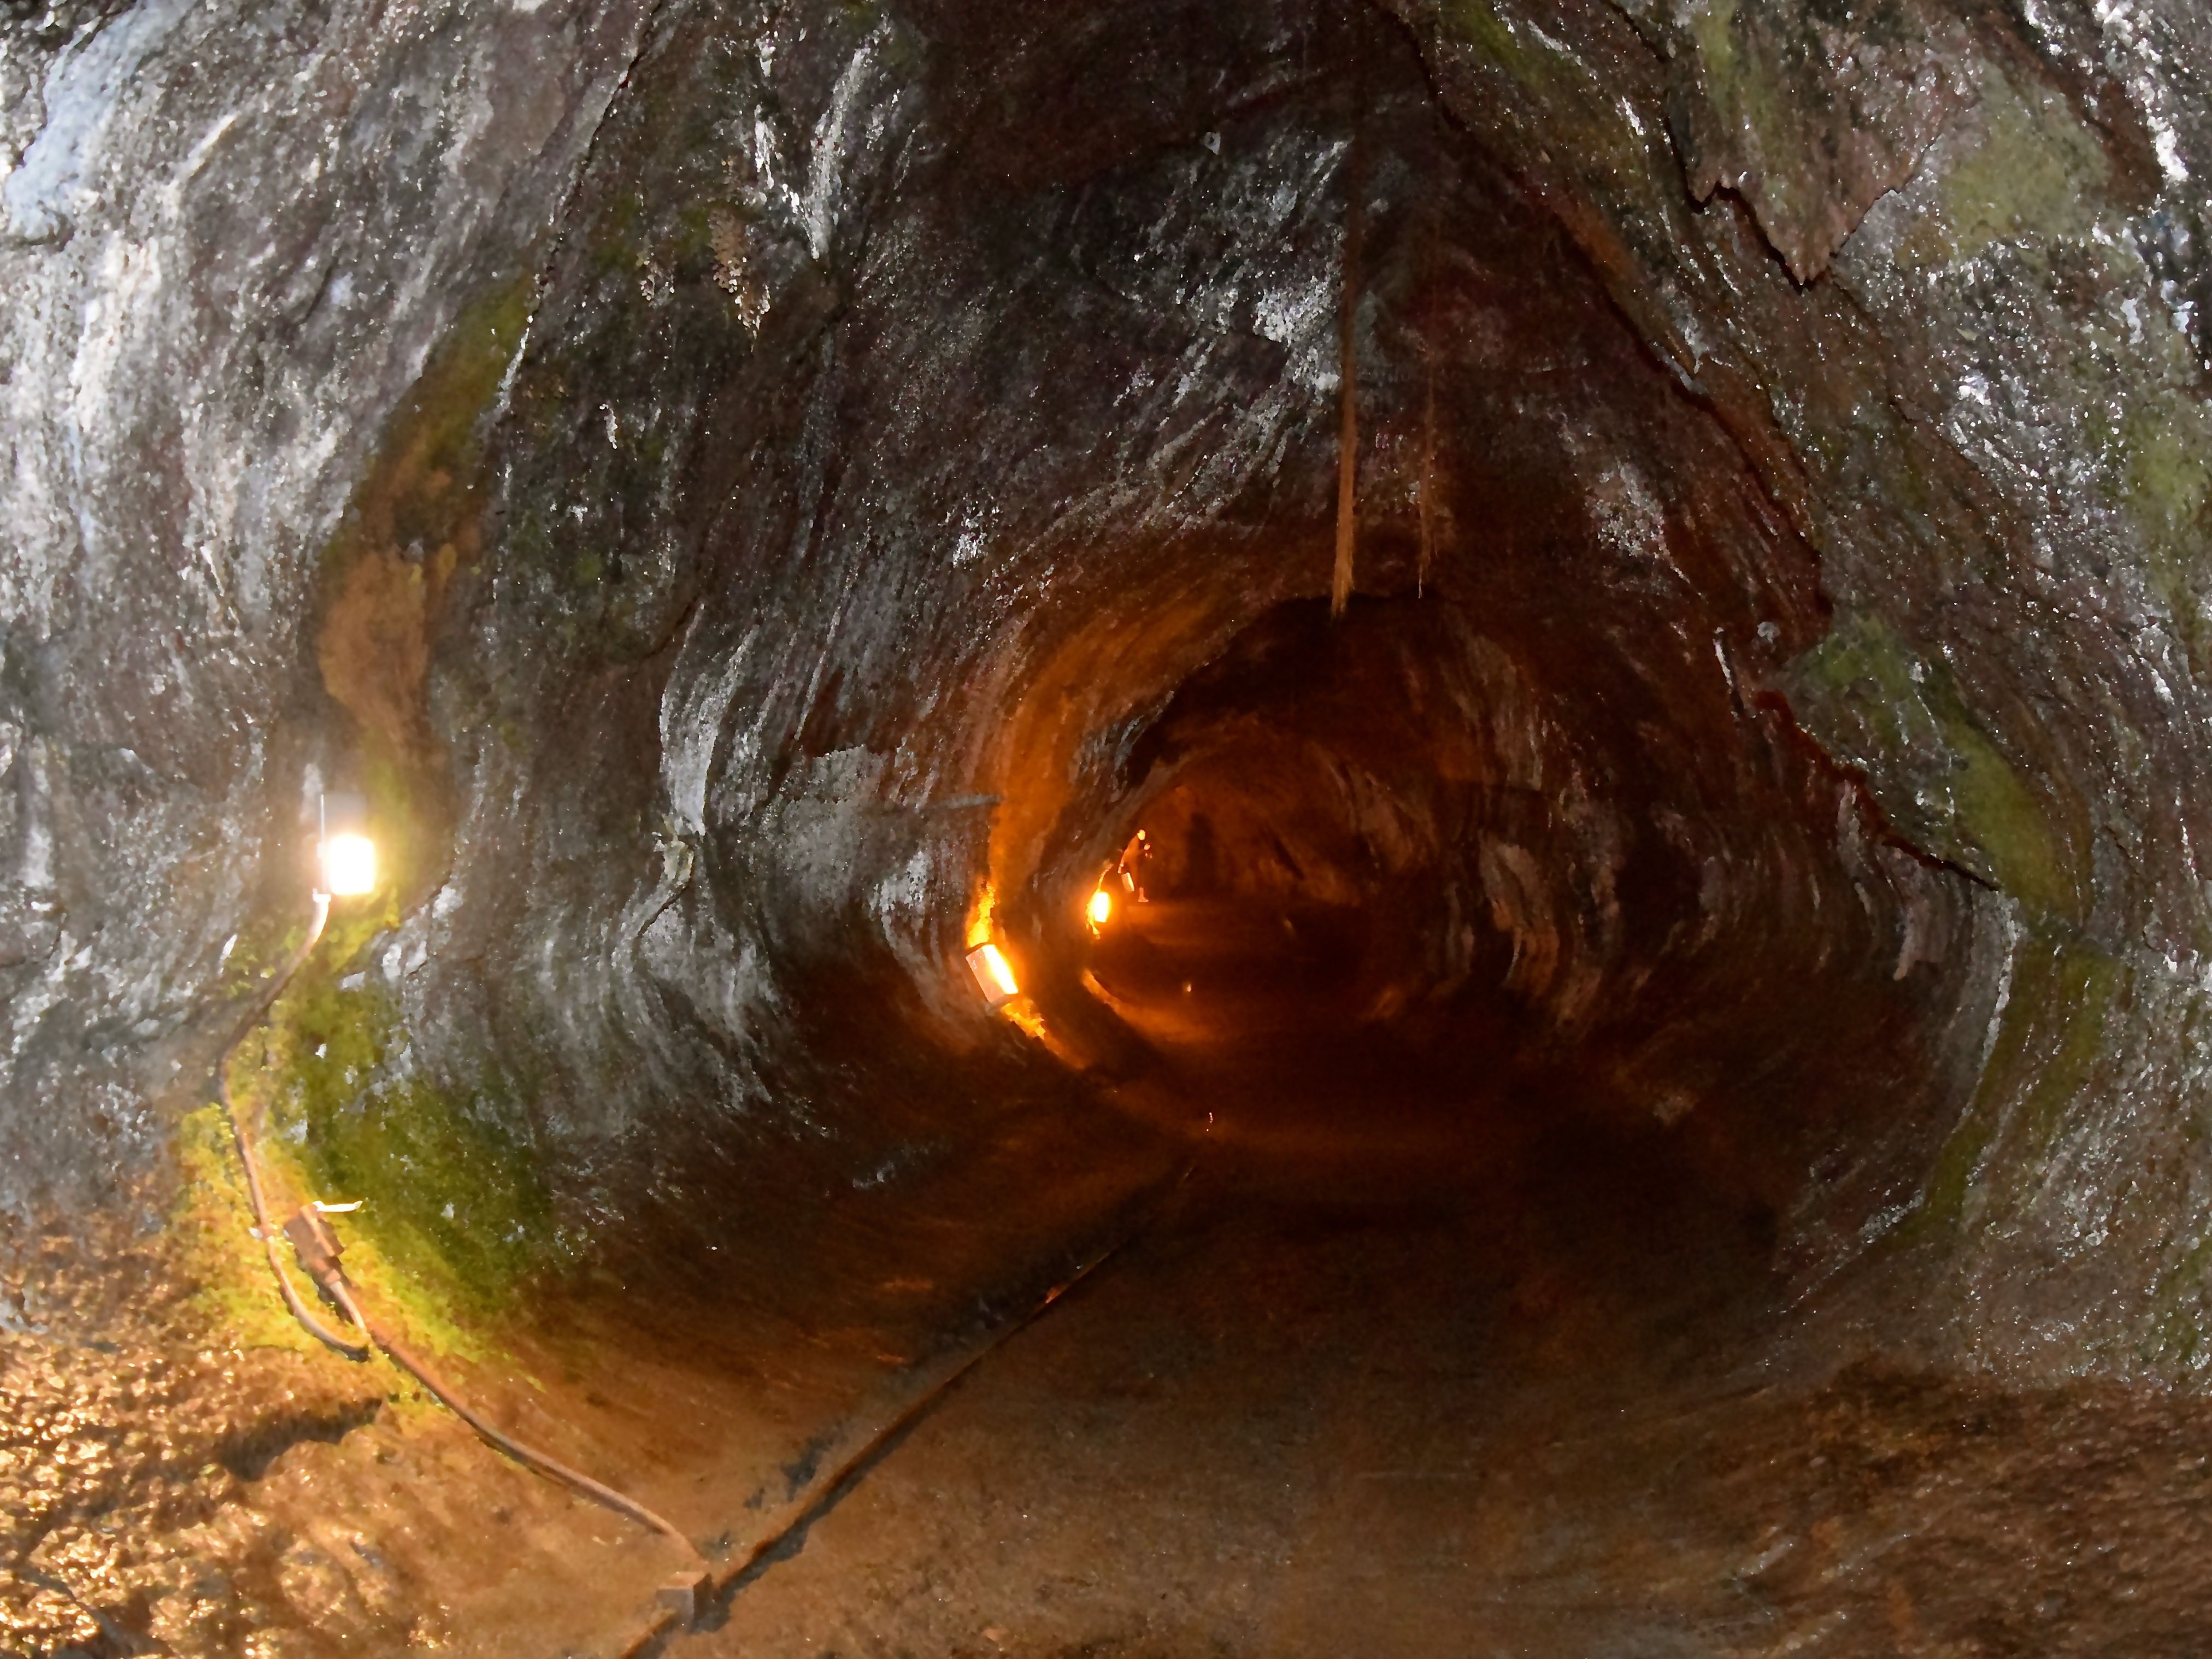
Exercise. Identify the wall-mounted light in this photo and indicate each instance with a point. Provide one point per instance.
(994, 973)
(1100, 910)
(346, 854)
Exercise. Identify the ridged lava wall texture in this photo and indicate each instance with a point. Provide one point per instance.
(1984, 413)
(738, 484)
(230, 238)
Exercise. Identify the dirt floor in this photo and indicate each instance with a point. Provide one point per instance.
(1522, 1391)
(170, 1489)
(192, 1476)
(1319, 1429)
(1408, 1364)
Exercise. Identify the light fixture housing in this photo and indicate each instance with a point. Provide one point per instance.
(994, 973)
(344, 851)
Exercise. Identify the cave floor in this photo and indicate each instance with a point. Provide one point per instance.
(1332, 1425)
(1409, 1363)
(179, 1481)
(1509, 1389)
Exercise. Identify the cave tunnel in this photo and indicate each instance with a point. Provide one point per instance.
(1265, 827)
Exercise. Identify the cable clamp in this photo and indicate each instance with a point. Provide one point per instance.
(313, 1242)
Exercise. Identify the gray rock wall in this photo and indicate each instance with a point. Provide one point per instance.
(1941, 270)
(733, 483)
(229, 237)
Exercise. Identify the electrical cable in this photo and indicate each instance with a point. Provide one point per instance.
(826, 1491)
(323, 1333)
(544, 1462)
(316, 1248)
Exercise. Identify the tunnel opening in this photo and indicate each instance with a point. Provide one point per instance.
(1521, 926)
(1476, 1080)
(1292, 916)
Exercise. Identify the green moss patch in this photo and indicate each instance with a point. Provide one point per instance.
(1576, 112)
(455, 1218)
(2158, 466)
(2037, 172)
(213, 1225)
(1940, 777)
(2179, 1339)
(2048, 1045)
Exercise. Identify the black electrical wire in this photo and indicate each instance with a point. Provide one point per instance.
(333, 1282)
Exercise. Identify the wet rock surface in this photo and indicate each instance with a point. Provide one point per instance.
(1946, 418)
(229, 244)
(761, 498)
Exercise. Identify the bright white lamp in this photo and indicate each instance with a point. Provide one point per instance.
(348, 855)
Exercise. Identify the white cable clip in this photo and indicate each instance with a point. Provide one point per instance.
(337, 1209)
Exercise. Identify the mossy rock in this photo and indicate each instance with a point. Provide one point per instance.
(1939, 775)
(455, 1216)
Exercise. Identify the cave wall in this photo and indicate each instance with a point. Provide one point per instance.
(1941, 271)
(880, 445)
(230, 238)
(735, 483)
(849, 535)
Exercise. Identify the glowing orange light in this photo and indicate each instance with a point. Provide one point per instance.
(1101, 908)
(989, 965)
